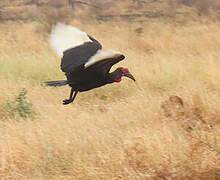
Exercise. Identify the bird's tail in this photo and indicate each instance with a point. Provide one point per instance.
(56, 83)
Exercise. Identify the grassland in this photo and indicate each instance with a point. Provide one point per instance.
(121, 131)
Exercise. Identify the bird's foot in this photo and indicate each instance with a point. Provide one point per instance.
(67, 101)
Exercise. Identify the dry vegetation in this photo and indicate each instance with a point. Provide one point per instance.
(130, 10)
(120, 131)
(165, 126)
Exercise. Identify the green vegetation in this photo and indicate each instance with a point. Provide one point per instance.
(29, 67)
(19, 107)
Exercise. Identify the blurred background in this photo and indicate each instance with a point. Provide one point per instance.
(108, 10)
(164, 126)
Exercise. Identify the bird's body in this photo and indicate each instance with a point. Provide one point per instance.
(85, 65)
(85, 80)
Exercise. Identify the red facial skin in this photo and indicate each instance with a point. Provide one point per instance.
(123, 73)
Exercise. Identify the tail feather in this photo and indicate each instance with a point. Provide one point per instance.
(56, 83)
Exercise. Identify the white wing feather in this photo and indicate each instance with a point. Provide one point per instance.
(64, 37)
(101, 55)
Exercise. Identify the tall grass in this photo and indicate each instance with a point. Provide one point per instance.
(120, 131)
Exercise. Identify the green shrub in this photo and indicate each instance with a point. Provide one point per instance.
(20, 106)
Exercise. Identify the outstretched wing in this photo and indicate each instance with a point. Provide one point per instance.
(103, 61)
(76, 56)
(74, 46)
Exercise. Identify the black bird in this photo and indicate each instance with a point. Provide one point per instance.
(85, 65)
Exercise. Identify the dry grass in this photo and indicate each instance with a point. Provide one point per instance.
(131, 10)
(120, 131)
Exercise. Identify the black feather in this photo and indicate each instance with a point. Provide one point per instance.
(79, 55)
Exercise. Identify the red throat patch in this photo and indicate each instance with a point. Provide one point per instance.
(123, 73)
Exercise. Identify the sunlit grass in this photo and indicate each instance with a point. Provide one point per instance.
(33, 68)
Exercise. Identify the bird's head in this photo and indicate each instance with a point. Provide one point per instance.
(122, 72)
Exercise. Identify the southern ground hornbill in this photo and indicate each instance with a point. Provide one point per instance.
(85, 65)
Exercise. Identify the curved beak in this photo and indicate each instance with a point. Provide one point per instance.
(129, 75)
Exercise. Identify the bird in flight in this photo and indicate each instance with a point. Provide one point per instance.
(83, 61)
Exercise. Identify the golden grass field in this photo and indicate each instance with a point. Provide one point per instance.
(125, 130)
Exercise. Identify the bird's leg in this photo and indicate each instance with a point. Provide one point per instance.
(75, 95)
(71, 98)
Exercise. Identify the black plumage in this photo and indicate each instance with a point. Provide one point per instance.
(76, 56)
(85, 65)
